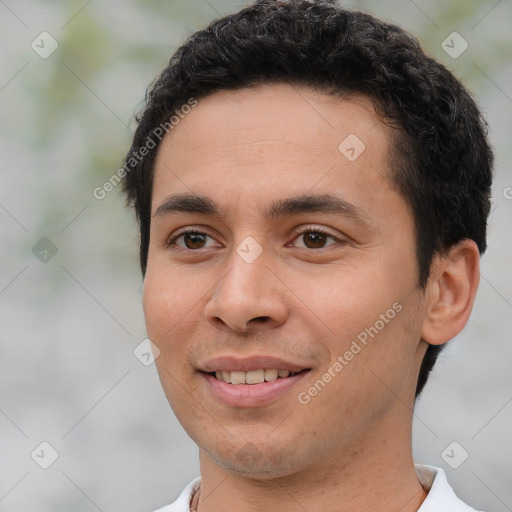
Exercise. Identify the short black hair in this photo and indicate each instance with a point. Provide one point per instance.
(440, 161)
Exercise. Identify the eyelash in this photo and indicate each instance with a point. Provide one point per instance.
(308, 229)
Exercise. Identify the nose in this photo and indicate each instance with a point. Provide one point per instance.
(248, 297)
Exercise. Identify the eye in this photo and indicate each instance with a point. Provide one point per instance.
(191, 239)
(315, 238)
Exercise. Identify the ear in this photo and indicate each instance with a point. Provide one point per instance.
(451, 292)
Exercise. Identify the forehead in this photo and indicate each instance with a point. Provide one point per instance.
(271, 139)
(288, 114)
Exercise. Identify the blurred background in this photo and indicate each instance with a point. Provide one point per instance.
(84, 424)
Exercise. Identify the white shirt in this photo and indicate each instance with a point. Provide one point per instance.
(440, 498)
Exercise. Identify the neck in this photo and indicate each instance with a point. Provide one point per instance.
(376, 476)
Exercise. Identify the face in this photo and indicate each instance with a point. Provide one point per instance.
(281, 286)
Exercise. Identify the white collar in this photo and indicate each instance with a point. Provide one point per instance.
(440, 498)
(440, 495)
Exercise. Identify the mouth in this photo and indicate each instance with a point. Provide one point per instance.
(254, 376)
(254, 381)
(251, 381)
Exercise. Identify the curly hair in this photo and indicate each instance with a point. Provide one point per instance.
(441, 162)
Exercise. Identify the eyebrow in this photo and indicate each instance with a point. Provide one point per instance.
(306, 203)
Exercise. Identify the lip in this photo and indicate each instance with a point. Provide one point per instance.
(251, 395)
(247, 364)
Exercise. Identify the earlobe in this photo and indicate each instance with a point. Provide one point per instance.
(451, 292)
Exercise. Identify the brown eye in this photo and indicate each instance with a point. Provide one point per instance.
(191, 240)
(194, 240)
(314, 240)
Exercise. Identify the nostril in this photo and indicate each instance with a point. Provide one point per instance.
(260, 319)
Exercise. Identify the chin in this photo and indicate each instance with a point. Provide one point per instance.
(251, 462)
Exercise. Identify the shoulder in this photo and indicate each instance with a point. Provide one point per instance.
(441, 497)
(182, 502)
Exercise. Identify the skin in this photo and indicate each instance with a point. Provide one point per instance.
(349, 448)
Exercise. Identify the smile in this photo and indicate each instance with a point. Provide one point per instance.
(254, 388)
(252, 377)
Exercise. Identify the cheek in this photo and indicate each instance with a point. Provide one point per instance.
(369, 318)
(155, 303)
(166, 301)
(168, 313)
(350, 299)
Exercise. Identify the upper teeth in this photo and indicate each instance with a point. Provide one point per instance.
(252, 377)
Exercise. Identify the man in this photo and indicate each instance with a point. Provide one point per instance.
(312, 193)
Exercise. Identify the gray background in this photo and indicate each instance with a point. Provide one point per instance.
(68, 375)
